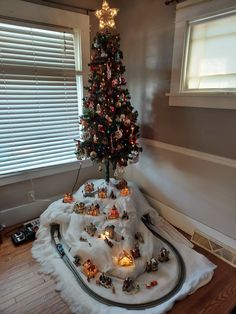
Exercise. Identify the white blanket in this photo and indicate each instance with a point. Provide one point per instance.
(199, 270)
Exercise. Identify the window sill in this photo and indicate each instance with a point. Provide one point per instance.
(43, 172)
(218, 100)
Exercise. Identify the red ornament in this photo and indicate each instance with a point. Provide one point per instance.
(101, 128)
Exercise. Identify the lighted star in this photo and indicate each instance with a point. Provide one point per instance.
(106, 16)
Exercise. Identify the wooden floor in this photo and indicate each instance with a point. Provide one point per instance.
(24, 290)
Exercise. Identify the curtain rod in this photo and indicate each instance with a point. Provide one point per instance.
(68, 7)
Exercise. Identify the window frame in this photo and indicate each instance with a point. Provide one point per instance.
(188, 13)
(35, 15)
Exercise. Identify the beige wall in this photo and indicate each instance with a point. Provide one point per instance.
(192, 186)
(147, 30)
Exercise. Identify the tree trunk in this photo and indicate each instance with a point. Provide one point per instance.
(107, 173)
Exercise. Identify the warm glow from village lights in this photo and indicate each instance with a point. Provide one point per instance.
(106, 16)
(125, 259)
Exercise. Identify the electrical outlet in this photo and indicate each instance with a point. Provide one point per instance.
(31, 196)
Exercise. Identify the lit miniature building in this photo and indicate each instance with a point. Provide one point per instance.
(163, 255)
(91, 229)
(124, 192)
(68, 198)
(102, 193)
(80, 208)
(90, 269)
(94, 210)
(89, 189)
(109, 231)
(113, 213)
(125, 259)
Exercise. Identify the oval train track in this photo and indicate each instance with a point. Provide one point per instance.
(57, 241)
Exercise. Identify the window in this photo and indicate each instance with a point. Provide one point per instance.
(204, 65)
(210, 57)
(39, 85)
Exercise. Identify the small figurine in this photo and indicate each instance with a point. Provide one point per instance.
(90, 269)
(91, 229)
(109, 231)
(68, 198)
(152, 265)
(152, 284)
(77, 260)
(102, 192)
(94, 210)
(108, 242)
(89, 189)
(125, 215)
(80, 208)
(113, 213)
(129, 286)
(112, 195)
(135, 252)
(163, 255)
(105, 281)
(138, 236)
(122, 184)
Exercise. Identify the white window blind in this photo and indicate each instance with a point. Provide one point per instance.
(38, 98)
(211, 62)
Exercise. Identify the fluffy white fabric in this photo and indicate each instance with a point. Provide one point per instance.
(199, 270)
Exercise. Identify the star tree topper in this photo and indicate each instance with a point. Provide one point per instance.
(106, 16)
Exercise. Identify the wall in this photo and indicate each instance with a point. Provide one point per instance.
(203, 190)
(27, 198)
(147, 32)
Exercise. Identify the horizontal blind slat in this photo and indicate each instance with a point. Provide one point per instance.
(38, 98)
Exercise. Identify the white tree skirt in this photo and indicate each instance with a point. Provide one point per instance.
(199, 270)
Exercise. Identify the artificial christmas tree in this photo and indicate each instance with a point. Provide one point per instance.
(109, 122)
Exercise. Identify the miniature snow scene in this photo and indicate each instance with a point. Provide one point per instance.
(107, 248)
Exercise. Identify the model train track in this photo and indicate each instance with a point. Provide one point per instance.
(58, 242)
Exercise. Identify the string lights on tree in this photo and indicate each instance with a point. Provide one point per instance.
(109, 127)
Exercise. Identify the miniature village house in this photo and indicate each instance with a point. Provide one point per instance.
(90, 269)
(80, 208)
(125, 259)
(102, 193)
(113, 213)
(94, 210)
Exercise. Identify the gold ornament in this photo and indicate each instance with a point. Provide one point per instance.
(106, 16)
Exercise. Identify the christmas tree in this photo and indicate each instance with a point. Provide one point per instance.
(109, 122)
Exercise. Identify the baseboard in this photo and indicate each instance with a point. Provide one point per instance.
(190, 225)
(25, 212)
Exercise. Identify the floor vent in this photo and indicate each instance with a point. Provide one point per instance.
(220, 250)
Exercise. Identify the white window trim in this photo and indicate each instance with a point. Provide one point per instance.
(189, 11)
(31, 12)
